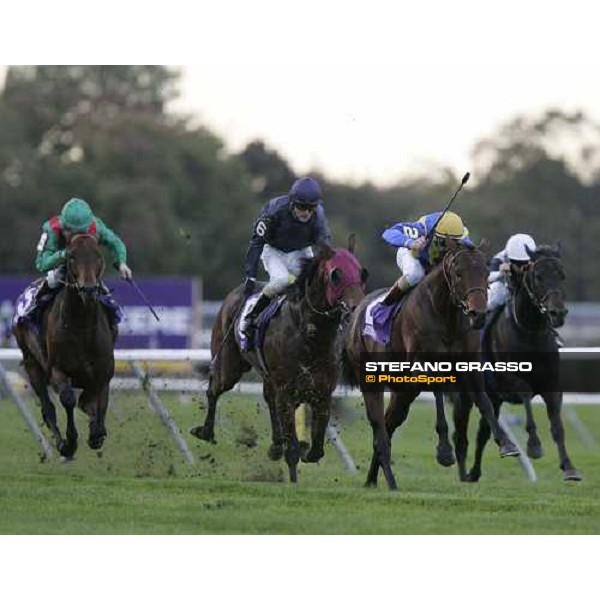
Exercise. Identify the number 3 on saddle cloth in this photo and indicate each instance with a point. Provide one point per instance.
(37, 296)
(379, 318)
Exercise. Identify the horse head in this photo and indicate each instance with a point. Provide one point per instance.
(466, 272)
(338, 277)
(544, 281)
(85, 265)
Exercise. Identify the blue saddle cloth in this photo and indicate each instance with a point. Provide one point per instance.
(263, 321)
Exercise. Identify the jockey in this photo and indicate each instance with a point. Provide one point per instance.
(512, 260)
(421, 245)
(76, 217)
(282, 237)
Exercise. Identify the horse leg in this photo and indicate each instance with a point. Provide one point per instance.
(94, 403)
(37, 379)
(276, 448)
(506, 447)
(225, 373)
(462, 410)
(444, 452)
(287, 413)
(534, 444)
(320, 420)
(553, 402)
(62, 386)
(381, 441)
(483, 435)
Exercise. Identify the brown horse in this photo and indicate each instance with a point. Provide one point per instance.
(301, 352)
(441, 314)
(76, 350)
(536, 306)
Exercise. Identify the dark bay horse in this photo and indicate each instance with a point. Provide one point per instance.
(76, 350)
(301, 352)
(535, 308)
(442, 314)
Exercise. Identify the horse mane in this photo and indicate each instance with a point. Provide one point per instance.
(547, 251)
(308, 268)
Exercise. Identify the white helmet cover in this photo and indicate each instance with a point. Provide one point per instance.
(516, 247)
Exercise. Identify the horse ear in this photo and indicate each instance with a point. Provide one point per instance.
(364, 275)
(352, 242)
(484, 246)
(557, 248)
(324, 250)
(530, 252)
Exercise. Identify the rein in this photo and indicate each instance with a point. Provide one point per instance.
(537, 302)
(461, 303)
(329, 314)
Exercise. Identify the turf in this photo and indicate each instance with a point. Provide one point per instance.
(141, 485)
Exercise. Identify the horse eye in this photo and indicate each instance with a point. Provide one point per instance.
(335, 276)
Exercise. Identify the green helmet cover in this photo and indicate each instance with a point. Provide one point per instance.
(76, 215)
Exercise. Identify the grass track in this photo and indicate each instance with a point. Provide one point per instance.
(141, 485)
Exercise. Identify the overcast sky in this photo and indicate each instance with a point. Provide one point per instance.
(358, 90)
(377, 121)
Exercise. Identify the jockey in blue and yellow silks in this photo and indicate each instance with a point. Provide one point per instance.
(421, 245)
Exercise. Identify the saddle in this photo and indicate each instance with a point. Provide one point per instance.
(379, 318)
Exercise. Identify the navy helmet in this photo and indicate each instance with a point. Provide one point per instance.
(305, 191)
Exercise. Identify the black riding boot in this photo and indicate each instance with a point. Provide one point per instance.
(252, 317)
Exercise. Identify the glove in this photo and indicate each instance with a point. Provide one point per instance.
(418, 243)
(249, 286)
(125, 271)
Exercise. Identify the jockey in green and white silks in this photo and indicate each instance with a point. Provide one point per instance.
(76, 217)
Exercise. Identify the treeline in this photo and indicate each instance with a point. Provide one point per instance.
(184, 205)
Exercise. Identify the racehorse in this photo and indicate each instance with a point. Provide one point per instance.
(300, 351)
(535, 308)
(441, 315)
(76, 350)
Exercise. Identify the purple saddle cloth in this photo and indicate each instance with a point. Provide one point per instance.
(265, 317)
(379, 319)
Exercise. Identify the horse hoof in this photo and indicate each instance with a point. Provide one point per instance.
(472, 477)
(445, 457)
(275, 451)
(535, 451)
(96, 442)
(572, 475)
(508, 449)
(66, 449)
(200, 433)
(304, 449)
(313, 456)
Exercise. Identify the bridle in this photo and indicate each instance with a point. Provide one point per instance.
(539, 303)
(530, 288)
(447, 267)
(333, 312)
(71, 279)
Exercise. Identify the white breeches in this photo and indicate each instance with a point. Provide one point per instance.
(497, 295)
(283, 267)
(410, 266)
